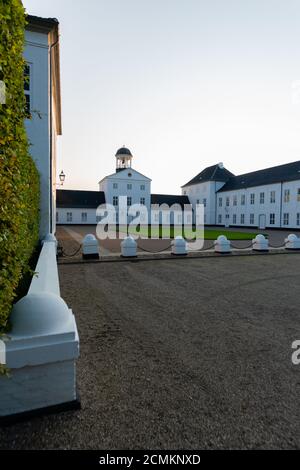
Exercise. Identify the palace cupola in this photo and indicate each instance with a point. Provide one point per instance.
(124, 158)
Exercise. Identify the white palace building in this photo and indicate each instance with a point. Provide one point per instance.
(262, 199)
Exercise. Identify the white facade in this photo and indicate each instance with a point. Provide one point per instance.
(204, 193)
(129, 184)
(273, 206)
(75, 216)
(43, 97)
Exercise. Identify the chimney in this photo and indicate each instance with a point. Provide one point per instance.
(221, 165)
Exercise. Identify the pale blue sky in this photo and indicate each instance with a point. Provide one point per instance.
(183, 83)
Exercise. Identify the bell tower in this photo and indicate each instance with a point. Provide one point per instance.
(123, 159)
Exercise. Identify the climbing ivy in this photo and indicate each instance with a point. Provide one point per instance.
(19, 180)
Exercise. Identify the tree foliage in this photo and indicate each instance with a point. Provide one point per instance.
(19, 180)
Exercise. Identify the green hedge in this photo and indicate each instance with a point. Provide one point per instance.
(19, 180)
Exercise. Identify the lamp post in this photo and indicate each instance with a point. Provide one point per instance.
(62, 178)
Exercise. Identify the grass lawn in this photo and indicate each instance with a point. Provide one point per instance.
(209, 234)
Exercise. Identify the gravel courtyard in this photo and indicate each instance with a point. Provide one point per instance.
(180, 353)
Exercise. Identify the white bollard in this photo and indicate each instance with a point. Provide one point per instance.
(179, 246)
(90, 247)
(292, 242)
(222, 245)
(260, 243)
(128, 247)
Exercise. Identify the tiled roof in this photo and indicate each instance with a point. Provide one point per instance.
(67, 198)
(211, 173)
(169, 199)
(276, 174)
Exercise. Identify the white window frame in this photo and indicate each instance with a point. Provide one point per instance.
(287, 196)
(272, 218)
(272, 197)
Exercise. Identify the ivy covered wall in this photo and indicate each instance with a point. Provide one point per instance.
(19, 180)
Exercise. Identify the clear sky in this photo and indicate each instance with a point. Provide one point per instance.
(183, 83)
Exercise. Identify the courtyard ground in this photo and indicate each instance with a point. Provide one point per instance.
(71, 236)
(179, 353)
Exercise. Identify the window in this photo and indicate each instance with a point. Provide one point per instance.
(220, 202)
(286, 218)
(251, 219)
(83, 217)
(272, 219)
(252, 199)
(142, 201)
(142, 187)
(184, 192)
(129, 186)
(156, 217)
(179, 219)
(298, 219)
(204, 202)
(115, 185)
(298, 195)
(242, 219)
(262, 198)
(129, 201)
(220, 218)
(56, 216)
(234, 219)
(227, 201)
(286, 195)
(272, 197)
(243, 199)
(69, 216)
(115, 201)
(98, 218)
(27, 89)
(235, 200)
(198, 201)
